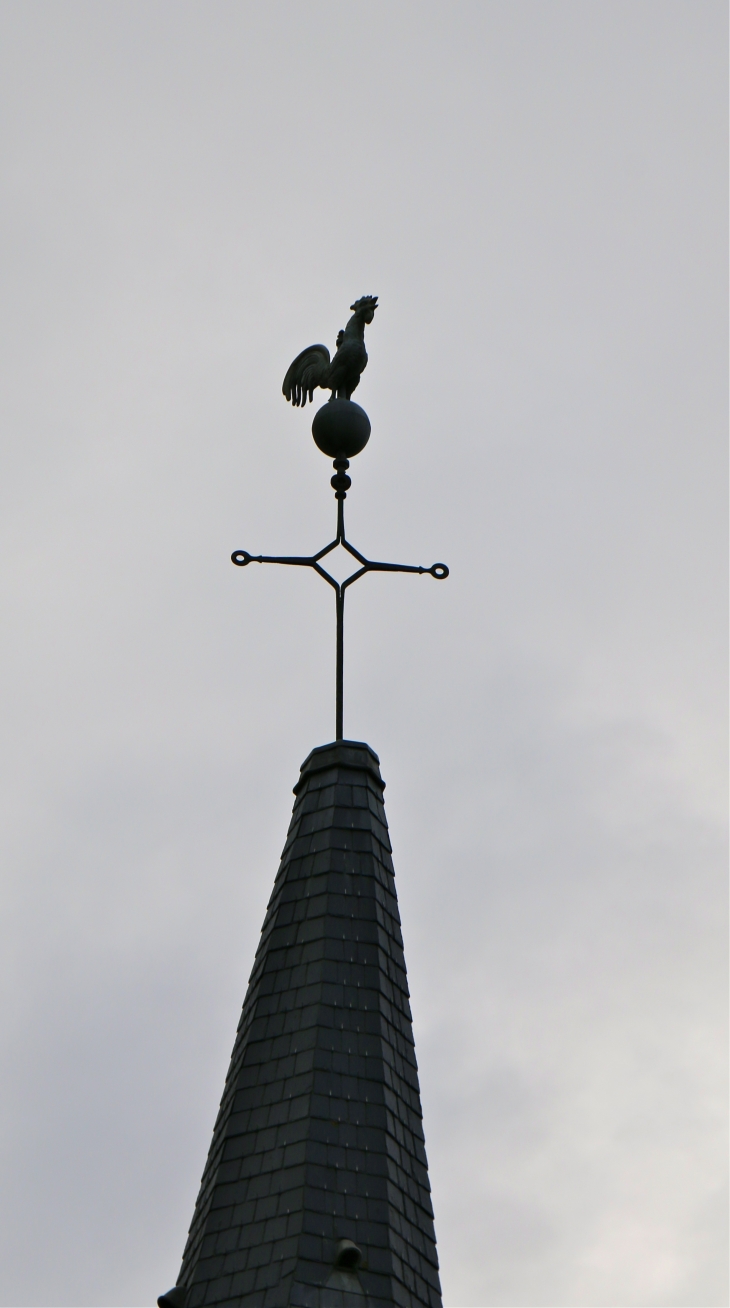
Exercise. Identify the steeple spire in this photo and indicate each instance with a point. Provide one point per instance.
(316, 1191)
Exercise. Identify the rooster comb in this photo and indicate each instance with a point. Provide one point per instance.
(365, 302)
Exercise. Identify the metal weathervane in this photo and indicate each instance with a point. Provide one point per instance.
(341, 429)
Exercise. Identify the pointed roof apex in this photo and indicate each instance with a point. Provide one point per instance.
(353, 754)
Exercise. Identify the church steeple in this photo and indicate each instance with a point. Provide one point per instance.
(316, 1192)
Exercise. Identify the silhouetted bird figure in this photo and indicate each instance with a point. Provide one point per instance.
(313, 367)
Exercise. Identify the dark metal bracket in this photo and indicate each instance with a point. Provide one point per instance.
(341, 483)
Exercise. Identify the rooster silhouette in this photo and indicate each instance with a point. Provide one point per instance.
(313, 367)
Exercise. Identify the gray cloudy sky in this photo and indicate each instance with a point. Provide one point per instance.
(191, 194)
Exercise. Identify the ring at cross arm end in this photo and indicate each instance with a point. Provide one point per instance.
(439, 571)
(241, 558)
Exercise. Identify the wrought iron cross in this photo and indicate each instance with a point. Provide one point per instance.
(340, 429)
(341, 482)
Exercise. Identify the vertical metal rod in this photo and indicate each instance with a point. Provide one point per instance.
(340, 661)
(339, 674)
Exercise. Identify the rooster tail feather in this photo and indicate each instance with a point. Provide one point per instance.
(307, 372)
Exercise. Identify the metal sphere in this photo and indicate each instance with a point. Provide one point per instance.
(341, 429)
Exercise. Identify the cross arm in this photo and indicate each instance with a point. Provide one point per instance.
(437, 570)
(242, 558)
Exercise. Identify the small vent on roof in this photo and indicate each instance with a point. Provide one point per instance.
(344, 1275)
(348, 1257)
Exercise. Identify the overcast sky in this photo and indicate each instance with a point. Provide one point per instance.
(192, 193)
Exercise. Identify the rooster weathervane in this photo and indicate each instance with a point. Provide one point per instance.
(341, 429)
(313, 367)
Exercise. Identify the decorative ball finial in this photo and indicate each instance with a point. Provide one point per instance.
(341, 429)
